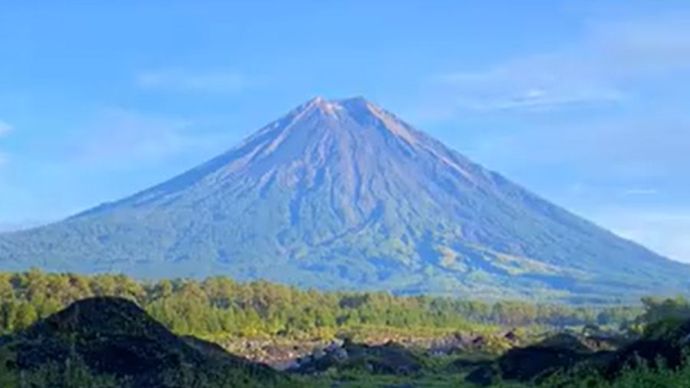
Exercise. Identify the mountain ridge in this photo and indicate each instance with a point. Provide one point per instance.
(344, 194)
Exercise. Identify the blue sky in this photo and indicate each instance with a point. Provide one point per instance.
(585, 103)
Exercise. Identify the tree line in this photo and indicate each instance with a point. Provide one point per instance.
(221, 306)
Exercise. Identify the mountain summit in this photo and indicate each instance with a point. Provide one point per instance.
(342, 194)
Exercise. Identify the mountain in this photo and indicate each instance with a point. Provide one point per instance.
(114, 338)
(344, 195)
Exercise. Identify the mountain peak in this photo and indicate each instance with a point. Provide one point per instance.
(344, 194)
(353, 114)
(320, 100)
(351, 105)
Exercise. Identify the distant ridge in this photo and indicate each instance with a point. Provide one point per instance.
(342, 194)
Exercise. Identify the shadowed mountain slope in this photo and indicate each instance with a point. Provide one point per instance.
(343, 194)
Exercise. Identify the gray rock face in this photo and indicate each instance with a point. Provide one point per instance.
(344, 195)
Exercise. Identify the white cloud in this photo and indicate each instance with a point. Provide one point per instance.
(118, 134)
(666, 231)
(640, 191)
(122, 139)
(189, 81)
(527, 84)
(595, 69)
(633, 150)
(5, 128)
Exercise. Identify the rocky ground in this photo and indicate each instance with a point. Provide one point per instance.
(291, 354)
(115, 340)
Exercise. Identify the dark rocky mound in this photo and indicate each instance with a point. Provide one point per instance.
(114, 337)
(390, 358)
(574, 356)
(667, 347)
(560, 352)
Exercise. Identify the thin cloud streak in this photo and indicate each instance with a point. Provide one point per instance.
(665, 231)
(189, 81)
(594, 70)
(5, 128)
(641, 191)
(122, 139)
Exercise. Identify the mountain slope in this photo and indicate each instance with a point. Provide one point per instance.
(343, 194)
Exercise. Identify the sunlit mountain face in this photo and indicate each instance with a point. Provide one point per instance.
(342, 194)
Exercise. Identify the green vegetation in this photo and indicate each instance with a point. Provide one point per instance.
(75, 373)
(642, 376)
(649, 359)
(71, 373)
(220, 306)
(662, 316)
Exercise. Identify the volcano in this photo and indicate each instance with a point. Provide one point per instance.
(342, 194)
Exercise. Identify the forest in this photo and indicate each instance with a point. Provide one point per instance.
(569, 346)
(221, 306)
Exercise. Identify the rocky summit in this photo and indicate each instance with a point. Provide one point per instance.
(343, 194)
